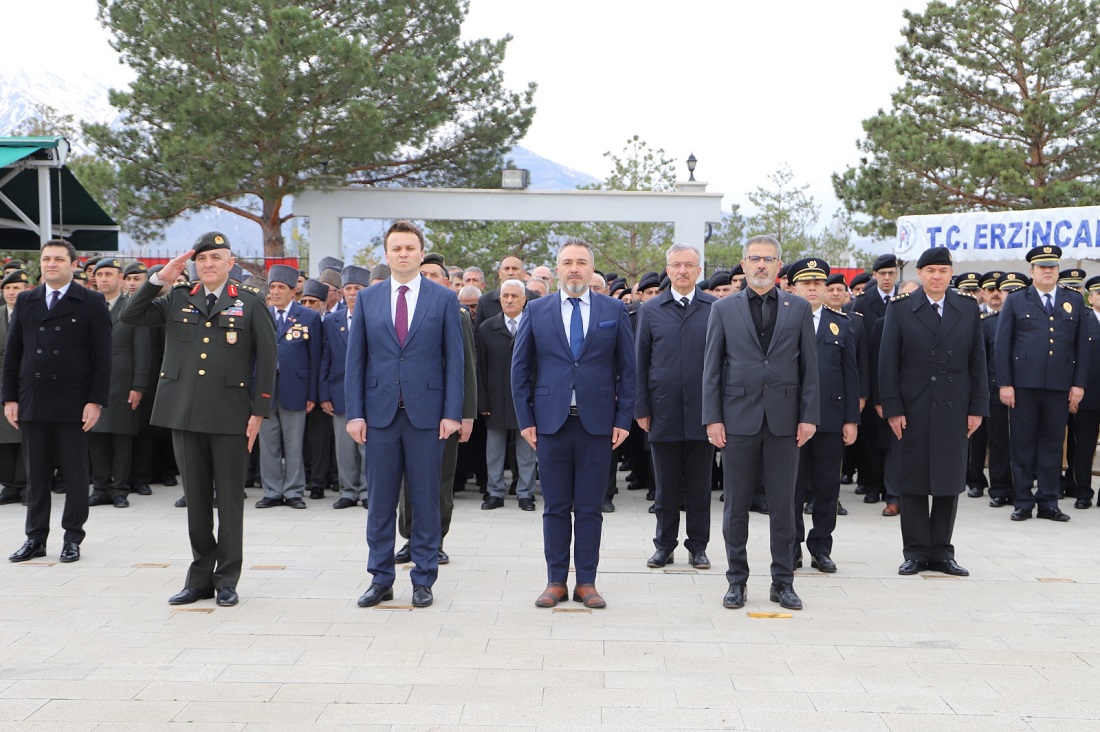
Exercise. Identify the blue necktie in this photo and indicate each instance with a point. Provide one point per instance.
(576, 328)
(1049, 305)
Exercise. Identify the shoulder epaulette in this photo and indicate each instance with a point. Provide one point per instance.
(966, 294)
(990, 314)
(250, 288)
(902, 296)
(855, 312)
(181, 284)
(841, 313)
(462, 309)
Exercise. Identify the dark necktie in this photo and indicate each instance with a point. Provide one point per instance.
(765, 313)
(210, 300)
(936, 307)
(401, 322)
(684, 302)
(576, 328)
(281, 320)
(1049, 305)
(54, 297)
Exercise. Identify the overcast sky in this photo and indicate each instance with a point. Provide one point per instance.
(744, 85)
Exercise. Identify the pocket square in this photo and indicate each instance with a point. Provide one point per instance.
(608, 323)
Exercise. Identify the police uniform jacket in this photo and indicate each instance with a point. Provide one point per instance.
(130, 364)
(838, 370)
(670, 341)
(932, 370)
(218, 368)
(1091, 399)
(299, 343)
(334, 354)
(1040, 351)
(494, 374)
(989, 336)
(58, 360)
(8, 434)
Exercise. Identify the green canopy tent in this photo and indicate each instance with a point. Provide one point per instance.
(36, 187)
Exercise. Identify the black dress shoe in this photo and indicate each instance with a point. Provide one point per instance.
(845, 479)
(316, 493)
(1054, 514)
(143, 489)
(181, 502)
(442, 557)
(840, 510)
(29, 550)
(1082, 503)
(527, 504)
(651, 495)
(660, 558)
(227, 597)
(169, 480)
(491, 503)
(70, 552)
(949, 566)
(189, 595)
(422, 596)
(998, 501)
(607, 507)
(343, 503)
(797, 560)
(653, 508)
(870, 497)
(403, 555)
(94, 500)
(698, 560)
(785, 595)
(823, 563)
(375, 594)
(975, 491)
(295, 503)
(808, 509)
(763, 508)
(735, 596)
(1021, 514)
(860, 490)
(266, 502)
(912, 566)
(120, 502)
(6, 498)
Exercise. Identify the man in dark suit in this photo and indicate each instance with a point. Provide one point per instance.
(57, 375)
(671, 336)
(1042, 355)
(488, 304)
(761, 357)
(298, 334)
(111, 442)
(495, 339)
(1086, 425)
(933, 392)
(404, 389)
(871, 306)
(350, 456)
(573, 387)
(13, 474)
(996, 427)
(216, 381)
(820, 458)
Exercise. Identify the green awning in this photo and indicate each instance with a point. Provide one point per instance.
(74, 214)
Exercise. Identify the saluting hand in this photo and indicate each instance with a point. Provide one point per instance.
(175, 268)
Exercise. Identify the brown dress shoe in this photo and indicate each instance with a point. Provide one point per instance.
(891, 509)
(588, 595)
(554, 593)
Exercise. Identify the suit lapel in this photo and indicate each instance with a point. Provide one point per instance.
(594, 310)
(783, 308)
(423, 302)
(742, 306)
(65, 304)
(924, 312)
(559, 324)
(951, 313)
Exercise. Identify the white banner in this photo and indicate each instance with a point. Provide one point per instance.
(1002, 235)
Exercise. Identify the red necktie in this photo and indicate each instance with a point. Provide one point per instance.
(401, 322)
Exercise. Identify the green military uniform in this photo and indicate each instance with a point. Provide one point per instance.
(218, 371)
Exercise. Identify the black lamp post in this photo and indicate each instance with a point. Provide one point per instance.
(691, 161)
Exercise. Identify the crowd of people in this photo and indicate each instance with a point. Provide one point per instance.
(392, 388)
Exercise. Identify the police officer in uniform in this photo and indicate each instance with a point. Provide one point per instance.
(216, 382)
(1086, 424)
(996, 428)
(934, 394)
(1042, 367)
(13, 474)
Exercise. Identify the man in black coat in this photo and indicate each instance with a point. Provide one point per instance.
(1042, 367)
(489, 305)
(934, 394)
(668, 404)
(495, 339)
(1087, 423)
(57, 374)
(819, 459)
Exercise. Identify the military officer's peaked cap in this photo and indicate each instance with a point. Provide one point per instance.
(1045, 256)
(935, 255)
(1010, 281)
(811, 268)
(15, 276)
(353, 275)
(989, 279)
(282, 273)
(316, 289)
(330, 263)
(1092, 285)
(1071, 277)
(968, 280)
(106, 263)
(134, 268)
(885, 261)
(210, 240)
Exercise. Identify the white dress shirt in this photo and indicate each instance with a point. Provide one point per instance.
(679, 298)
(63, 289)
(567, 311)
(817, 318)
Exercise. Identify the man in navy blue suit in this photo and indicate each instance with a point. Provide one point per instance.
(573, 388)
(350, 456)
(404, 389)
(298, 334)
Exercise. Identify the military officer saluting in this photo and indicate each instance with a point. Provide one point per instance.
(215, 388)
(1042, 366)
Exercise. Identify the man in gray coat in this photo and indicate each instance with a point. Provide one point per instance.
(761, 356)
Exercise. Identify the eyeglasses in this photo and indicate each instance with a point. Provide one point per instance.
(757, 259)
(682, 265)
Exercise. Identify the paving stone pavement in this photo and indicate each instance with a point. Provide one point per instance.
(94, 645)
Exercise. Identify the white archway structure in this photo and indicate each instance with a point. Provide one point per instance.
(688, 208)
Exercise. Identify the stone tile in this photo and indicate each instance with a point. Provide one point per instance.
(392, 714)
(779, 719)
(65, 710)
(68, 689)
(16, 710)
(513, 715)
(346, 693)
(953, 723)
(207, 691)
(247, 711)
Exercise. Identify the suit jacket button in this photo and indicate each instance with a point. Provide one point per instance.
(56, 352)
(202, 356)
(933, 404)
(202, 372)
(932, 352)
(40, 350)
(242, 383)
(765, 363)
